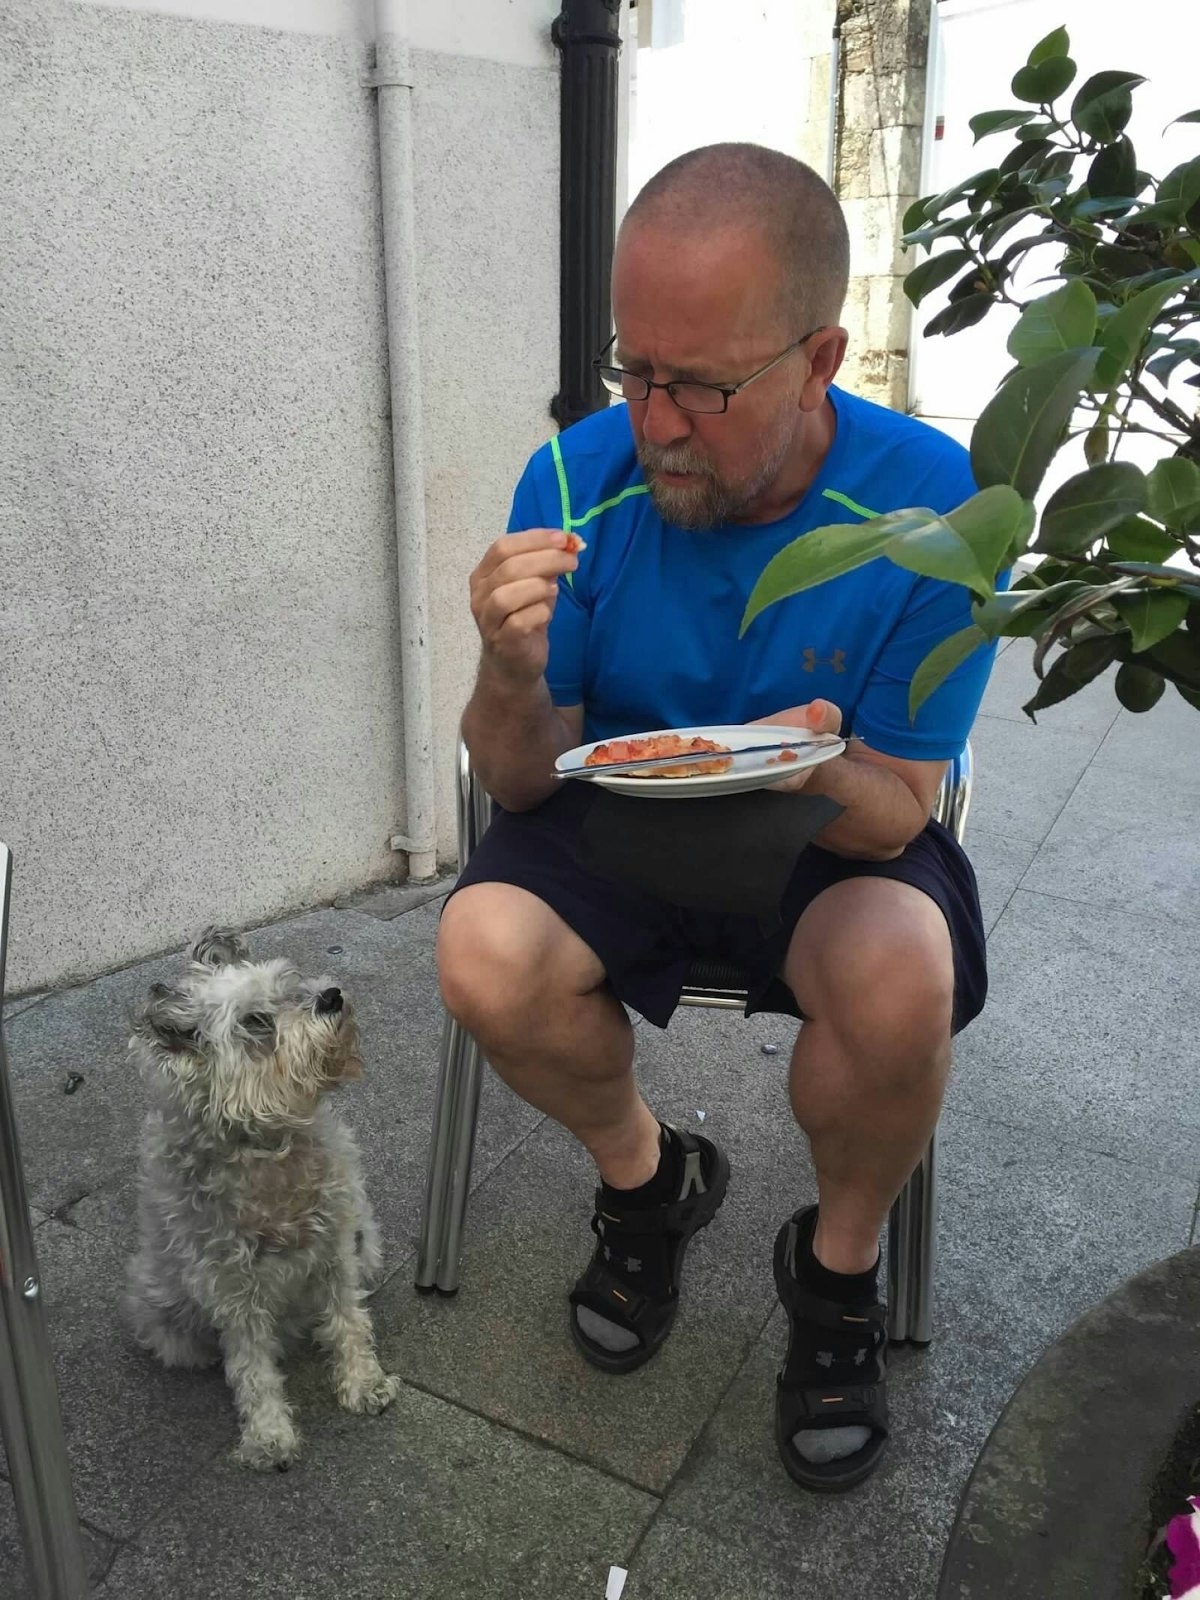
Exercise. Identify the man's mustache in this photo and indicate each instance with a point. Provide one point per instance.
(673, 458)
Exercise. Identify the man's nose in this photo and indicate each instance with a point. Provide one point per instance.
(664, 422)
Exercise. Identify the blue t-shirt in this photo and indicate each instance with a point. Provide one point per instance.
(646, 634)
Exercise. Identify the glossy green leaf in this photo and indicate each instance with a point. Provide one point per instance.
(986, 122)
(933, 272)
(1139, 540)
(1174, 492)
(1151, 614)
(1063, 320)
(959, 314)
(1072, 671)
(1188, 116)
(1088, 505)
(1021, 427)
(915, 215)
(969, 544)
(1139, 688)
(1181, 186)
(938, 230)
(1057, 43)
(1178, 657)
(1123, 334)
(996, 524)
(1104, 105)
(1017, 613)
(940, 663)
(1161, 573)
(826, 553)
(1176, 353)
(1114, 170)
(1045, 80)
(938, 551)
(1094, 210)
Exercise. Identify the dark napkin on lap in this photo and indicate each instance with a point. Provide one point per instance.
(732, 852)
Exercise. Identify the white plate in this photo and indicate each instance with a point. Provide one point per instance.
(747, 772)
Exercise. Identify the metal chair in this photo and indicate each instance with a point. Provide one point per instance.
(30, 1423)
(911, 1225)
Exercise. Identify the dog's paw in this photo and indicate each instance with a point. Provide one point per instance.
(264, 1448)
(370, 1395)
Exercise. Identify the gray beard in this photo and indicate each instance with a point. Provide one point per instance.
(709, 502)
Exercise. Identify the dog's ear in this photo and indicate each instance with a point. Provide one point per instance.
(167, 1017)
(219, 947)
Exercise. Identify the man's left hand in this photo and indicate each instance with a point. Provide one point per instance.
(818, 716)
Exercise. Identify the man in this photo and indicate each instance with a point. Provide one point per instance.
(728, 282)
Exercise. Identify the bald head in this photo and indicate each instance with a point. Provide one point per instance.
(749, 189)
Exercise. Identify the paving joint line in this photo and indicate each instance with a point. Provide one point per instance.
(532, 1438)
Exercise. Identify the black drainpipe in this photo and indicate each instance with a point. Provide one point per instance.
(588, 32)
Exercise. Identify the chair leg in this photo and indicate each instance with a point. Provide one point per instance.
(912, 1246)
(456, 1112)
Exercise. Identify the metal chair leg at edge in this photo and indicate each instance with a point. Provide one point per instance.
(912, 1222)
(30, 1416)
(456, 1107)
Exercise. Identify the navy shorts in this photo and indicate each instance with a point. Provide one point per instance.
(646, 943)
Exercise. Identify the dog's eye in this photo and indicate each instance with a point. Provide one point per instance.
(258, 1022)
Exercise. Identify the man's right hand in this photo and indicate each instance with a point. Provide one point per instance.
(513, 592)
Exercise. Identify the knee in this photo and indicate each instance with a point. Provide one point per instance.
(481, 968)
(494, 970)
(887, 985)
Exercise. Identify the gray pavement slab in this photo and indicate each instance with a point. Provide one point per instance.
(1089, 1032)
(1024, 775)
(1000, 863)
(1126, 839)
(425, 1502)
(502, 1347)
(1163, 743)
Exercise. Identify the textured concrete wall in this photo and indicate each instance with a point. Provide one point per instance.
(198, 638)
(885, 46)
(487, 219)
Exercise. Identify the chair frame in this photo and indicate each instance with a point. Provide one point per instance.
(30, 1421)
(911, 1224)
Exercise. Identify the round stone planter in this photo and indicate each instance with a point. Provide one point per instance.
(1058, 1504)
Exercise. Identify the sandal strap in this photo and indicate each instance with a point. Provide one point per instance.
(845, 1406)
(670, 1218)
(604, 1293)
(802, 1304)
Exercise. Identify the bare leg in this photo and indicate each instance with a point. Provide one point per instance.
(533, 994)
(871, 967)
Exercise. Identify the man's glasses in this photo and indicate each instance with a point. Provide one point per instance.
(710, 398)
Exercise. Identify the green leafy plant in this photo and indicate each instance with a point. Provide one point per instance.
(1119, 576)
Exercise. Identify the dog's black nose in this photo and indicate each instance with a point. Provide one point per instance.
(327, 1002)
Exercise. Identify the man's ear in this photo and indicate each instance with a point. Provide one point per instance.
(826, 352)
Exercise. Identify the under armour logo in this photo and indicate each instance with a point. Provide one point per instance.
(812, 660)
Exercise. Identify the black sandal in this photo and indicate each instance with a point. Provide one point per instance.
(800, 1402)
(601, 1290)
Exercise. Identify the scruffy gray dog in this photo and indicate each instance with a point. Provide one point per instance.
(255, 1226)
